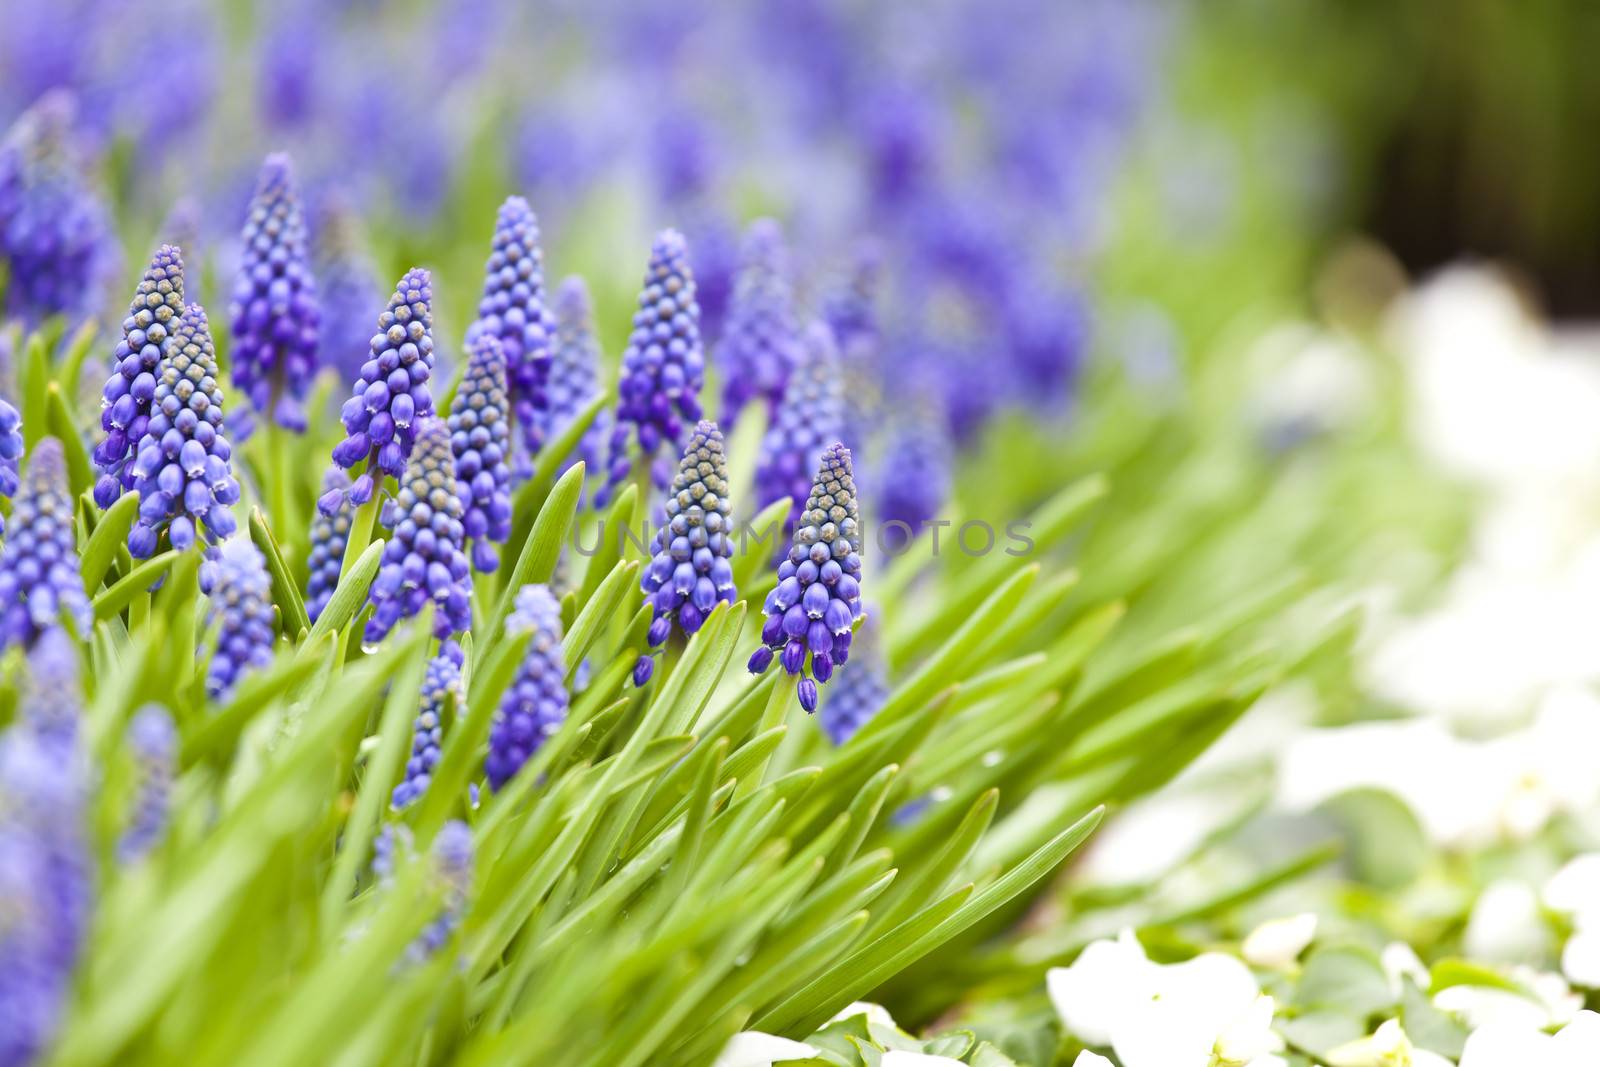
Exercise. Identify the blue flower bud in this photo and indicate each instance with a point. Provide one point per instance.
(760, 347)
(10, 455)
(153, 316)
(480, 438)
(329, 535)
(536, 704)
(425, 559)
(242, 610)
(441, 682)
(662, 367)
(274, 312)
(823, 569)
(39, 577)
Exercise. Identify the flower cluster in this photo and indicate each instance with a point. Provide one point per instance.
(274, 312)
(802, 426)
(480, 438)
(860, 692)
(347, 289)
(10, 454)
(512, 310)
(912, 477)
(425, 559)
(536, 704)
(575, 369)
(39, 577)
(125, 401)
(391, 394)
(760, 347)
(329, 535)
(689, 571)
(153, 740)
(183, 470)
(662, 366)
(818, 596)
(442, 680)
(45, 881)
(452, 860)
(242, 609)
(55, 236)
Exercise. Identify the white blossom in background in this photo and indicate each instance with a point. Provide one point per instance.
(1550, 1002)
(1091, 1059)
(875, 1013)
(1574, 892)
(1277, 943)
(1388, 1046)
(752, 1048)
(1400, 961)
(1506, 925)
(1576, 1044)
(1204, 1012)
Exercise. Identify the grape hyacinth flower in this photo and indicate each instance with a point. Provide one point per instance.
(512, 310)
(912, 478)
(663, 365)
(689, 571)
(55, 234)
(818, 596)
(347, 285)
(153, 740)
(442, 680)
(10, 454)
(390, 394)
(860, 692)
(760, 347)
(46, 882)
(536, 704)
(329, 535)
(274, 311)
(425, 559)
(480, 439)
(125, 401)
(810, 416)
(452, 860)
(851, 310)
(52, 701)
(39, 577)
(575, 370)
(183, 468)
(241, 602)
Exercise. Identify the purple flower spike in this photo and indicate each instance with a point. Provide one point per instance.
(662, 367)
(689, 571)
(348, 288)
(55, 234)
(912, 479)
(39, 578)
(274, 310)
(480, 438)
(452, 863)
(241, 605)
(153, 741)
(760, 346)
(391, 394)
(52, 702)
(575, 370)
(442, 680)
(46, 880)
(536, 704)
(810, 416)
(860, 694)
(826, 557)
(10, 454)
(125, 401)
(425, 559)
(183, 467)
(329, 535)
(512, 310)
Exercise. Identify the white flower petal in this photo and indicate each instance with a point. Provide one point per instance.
(1575, 888)
(1508, 1045)
(1277, 943)
(1091, 1059)
(1505, 925)
(752, 1048)
(875, 1013)
(1580, 958)
(1108, 980)
(1400, 961)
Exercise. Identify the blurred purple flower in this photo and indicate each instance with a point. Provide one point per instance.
(860, 692)
(575, 371)
(536, 704)
(153, 741)
(242, 610)
(347, 285)
(39, 577)
(441, 682)
(761, 346)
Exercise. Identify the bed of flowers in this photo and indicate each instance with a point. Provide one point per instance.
(599, 573)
